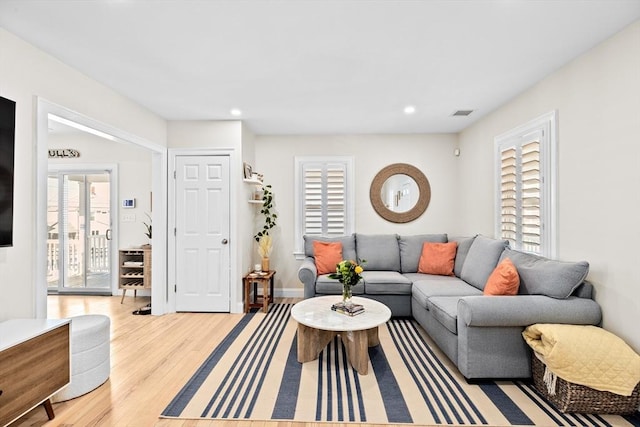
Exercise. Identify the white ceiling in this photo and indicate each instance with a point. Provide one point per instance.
(319, 66)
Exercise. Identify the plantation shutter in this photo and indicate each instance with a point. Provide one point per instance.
(324, 201)
(525, 186)
(520, 196)
(336, 206)
(508, 196)
(530, 195)
(312, 211)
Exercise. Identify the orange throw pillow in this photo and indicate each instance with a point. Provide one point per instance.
(438, 258)
(504, 280)
(327, 255)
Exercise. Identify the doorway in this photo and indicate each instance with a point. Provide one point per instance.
(47, 113)
(79, 231)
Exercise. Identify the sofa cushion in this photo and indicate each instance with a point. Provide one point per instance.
(411, 248)
(325, 285)
(504, 280)
(426, 286)
(482, 258)
(464, 244)
(348, 245)
(380, 251)
(437, 258)
(445, 311)
(386, 282)
(327, 256)
(543, 276)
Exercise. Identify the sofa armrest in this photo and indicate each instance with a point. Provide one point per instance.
(525, 310)
(307, 273)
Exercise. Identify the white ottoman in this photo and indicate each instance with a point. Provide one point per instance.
(90, 360)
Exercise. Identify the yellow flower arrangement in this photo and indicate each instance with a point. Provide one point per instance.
(348, 273)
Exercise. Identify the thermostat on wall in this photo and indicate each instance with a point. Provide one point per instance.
(128, 203)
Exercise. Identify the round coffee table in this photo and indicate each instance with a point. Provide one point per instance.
(318, 325)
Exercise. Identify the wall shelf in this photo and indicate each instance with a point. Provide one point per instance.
(253, 181)
(257, 183)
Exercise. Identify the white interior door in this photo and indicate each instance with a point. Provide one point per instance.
(202, 233)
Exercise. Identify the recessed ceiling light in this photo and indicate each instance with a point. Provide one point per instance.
(236, 112)
(409, 109)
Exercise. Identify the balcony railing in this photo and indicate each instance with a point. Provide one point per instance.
(98, 257)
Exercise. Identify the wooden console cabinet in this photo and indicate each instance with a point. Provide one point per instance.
(135, 270)
(34, 364)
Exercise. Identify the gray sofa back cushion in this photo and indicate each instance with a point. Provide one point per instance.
(585, 290)
(481, 259)
(380, 250)
(464, 244)
(543, 276)
(411, 249)
(348, 245)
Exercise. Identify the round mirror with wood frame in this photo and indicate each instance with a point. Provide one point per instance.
(375, 193)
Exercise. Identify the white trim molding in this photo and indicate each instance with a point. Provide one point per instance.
(544, 129)
(349, 185)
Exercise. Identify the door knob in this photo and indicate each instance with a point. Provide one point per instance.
(225, 241)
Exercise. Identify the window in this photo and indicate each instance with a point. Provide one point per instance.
(525, 186)
(324, 198)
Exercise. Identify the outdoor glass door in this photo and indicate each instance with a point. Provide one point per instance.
(79, 232)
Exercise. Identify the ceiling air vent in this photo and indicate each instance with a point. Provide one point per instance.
(462, 113)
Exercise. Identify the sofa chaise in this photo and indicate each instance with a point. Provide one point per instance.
(480, 334)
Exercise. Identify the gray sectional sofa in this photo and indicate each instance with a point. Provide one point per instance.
(480, 334)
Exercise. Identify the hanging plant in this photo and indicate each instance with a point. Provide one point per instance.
(270, 218)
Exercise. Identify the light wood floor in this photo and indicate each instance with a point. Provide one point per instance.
(152, 357)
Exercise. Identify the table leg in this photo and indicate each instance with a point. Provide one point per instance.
(271, 286)
(311, 342)
(246, 284)
(49, 409)
(372, 337)
(356, 343)
(265, 295)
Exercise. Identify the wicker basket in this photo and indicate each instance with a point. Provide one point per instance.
(571, 397)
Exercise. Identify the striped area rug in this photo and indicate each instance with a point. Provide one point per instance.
(254, 375)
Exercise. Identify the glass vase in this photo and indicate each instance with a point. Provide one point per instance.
(347, 294)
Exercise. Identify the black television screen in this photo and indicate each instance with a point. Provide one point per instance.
(7, 148)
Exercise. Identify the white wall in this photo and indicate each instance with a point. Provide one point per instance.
(250, 215)
(598, 101)
(27, 73)
(433, 154)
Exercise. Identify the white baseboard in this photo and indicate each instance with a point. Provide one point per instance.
(289, 292)
(239, 308)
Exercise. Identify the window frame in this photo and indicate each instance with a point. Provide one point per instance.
(300, 163)
(544, 126)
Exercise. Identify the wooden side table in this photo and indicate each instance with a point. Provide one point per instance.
(266, 280)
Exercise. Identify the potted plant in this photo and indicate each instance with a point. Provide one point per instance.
(262, 237)
(148, 228)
